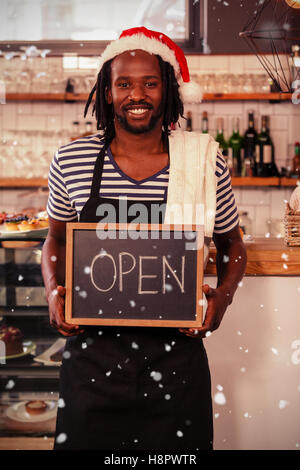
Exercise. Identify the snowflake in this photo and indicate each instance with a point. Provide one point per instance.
(220, 398)
(61, 403)
(62, 437)
(157, 376)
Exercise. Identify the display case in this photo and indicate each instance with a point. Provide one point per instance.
(33, 374)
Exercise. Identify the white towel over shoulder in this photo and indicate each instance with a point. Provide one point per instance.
(192, 180)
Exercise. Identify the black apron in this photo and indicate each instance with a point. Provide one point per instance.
(132, 388)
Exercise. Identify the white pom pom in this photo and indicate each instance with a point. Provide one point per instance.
(190, 92)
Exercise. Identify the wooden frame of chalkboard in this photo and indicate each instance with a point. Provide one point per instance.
(134, 275)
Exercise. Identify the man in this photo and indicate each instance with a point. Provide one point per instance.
(119, 387)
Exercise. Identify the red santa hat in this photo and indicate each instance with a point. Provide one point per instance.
(156, 43)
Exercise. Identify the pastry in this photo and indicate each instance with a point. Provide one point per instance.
(12, 223)
(43, 222)
(13, 340)
(36, 407)
(31, 224)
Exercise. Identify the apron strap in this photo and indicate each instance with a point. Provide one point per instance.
(98, 169)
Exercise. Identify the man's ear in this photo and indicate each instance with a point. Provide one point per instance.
(108, 95)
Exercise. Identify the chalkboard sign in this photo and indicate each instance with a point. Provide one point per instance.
(134, 275)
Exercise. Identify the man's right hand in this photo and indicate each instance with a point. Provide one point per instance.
(56, 302)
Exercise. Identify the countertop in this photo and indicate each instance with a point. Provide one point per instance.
(265, 257)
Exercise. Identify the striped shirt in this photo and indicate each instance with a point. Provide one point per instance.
(70, 179)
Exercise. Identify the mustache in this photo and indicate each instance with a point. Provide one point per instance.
(140, 104)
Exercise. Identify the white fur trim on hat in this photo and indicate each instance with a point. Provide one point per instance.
(190, 92)
(140, 41)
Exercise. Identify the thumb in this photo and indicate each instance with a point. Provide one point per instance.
(61, 290)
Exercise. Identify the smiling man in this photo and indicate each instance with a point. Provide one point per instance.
(139, 388)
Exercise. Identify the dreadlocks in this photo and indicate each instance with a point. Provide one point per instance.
(172, 104)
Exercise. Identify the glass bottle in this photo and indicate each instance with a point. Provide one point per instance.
(189, 122)
(296, 161)
(220, 137)
(264, 151)
(271, 168)
(88, 128)
(235, 145)
(245, 223)
(75, 130)
(249, 143)
(204, 126)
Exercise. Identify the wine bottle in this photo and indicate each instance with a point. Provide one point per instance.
(220, 137)
(235, 150)
(204, 126)
(271, 168)
(296, 161)
(249, 144)
(189, 121)
(263, 150)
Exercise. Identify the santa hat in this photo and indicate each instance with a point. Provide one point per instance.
(158, 44)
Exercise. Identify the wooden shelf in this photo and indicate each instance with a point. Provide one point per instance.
(236, 181)
(69, 97)
(254, 181)
(247, 96)
(23, 182)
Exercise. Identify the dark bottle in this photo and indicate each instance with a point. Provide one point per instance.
(220, 137)
(263, 150)
(204, 126)
(235, 150)
(189, 121)
(296, 161)
(271, 168)
(249, 144)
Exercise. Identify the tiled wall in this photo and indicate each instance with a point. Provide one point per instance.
(261, 204)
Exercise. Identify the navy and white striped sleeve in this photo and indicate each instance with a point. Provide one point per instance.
(226, 210)
(59, 206)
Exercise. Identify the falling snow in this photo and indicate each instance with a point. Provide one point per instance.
(283, 404)
(219, 398)
(157, 376)
(62, 437)
(61, 403)
(179, 434)
(10, 384)
(275, 351)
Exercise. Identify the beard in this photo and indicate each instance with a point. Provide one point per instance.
(142, 128)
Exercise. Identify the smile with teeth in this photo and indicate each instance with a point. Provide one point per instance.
(137, 111)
